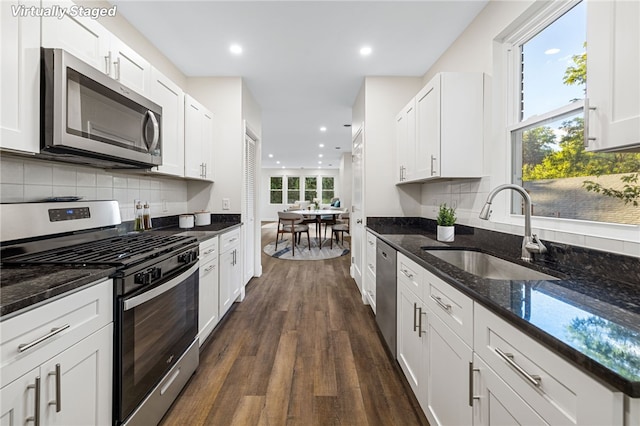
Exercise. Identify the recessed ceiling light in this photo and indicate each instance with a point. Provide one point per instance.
(278, 162)
(320, 155)
(323, 129)
(365, 50)
(270, 155)
(319, 167)
(236, 49)
(319, 162)
(321, 145)
(283, 167)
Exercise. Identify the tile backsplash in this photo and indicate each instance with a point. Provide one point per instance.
(24, 180)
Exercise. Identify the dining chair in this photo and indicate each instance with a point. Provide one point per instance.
(291, 223)
(341, 227)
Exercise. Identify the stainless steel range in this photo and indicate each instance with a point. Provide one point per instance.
(155, 293)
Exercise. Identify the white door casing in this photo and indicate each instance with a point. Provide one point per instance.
(357, 210)
(249, 208)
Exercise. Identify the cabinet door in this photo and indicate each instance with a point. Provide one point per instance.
(411, 340)
(207, 145)
(208, 299)
(76, 384)
(83, 37)
(613, 38)
(193, 115)
(225, 284)
(496, 404)
(18, 400)
(406, 140)
(401, 143)
(448, 359)
(171, 97)
(129, 68)
(20, 83)
(428, 130)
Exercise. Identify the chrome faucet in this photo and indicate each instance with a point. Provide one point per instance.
(530, 242)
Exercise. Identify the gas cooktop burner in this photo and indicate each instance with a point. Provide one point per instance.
(116, 251)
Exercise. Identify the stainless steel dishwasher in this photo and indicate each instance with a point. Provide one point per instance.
(386, 293)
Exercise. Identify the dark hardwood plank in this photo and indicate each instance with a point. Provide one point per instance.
(301, 349)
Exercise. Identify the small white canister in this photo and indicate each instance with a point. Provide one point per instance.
(203, 218)
(185, 221)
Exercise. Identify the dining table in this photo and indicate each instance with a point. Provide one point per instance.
(317, 217)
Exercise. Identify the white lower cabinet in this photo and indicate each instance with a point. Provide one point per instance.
(495, 403)
(57, 361)
(230, 270)
(467, 366)
(556, 390)
(412, 337)
(209, 288)
(448, 359)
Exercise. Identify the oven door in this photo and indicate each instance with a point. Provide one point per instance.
(155, 327)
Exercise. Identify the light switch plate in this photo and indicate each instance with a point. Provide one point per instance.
(226, 204)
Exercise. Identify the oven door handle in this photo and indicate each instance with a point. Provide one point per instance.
(148, 295)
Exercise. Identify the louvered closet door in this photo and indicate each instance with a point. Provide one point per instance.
(249, 201)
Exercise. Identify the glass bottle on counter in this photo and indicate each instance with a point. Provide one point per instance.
(146, 216)
(138, 224)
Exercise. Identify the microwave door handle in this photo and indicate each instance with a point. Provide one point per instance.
(156, 131)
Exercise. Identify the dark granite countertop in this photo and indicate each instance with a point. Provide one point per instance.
(585, 316)
(22, 287)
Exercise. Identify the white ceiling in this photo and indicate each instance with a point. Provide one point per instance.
(301, 59)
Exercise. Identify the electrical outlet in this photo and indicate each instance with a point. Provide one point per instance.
(226, 204)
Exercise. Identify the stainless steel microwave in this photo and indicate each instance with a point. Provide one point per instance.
(88, 117)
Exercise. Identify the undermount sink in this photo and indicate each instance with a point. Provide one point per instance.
(487, 266)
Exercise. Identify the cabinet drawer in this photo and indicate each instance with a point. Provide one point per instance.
(208, 250)
(53, 327)
(207, 268)
(558, 391)
(451, 306)
(412, 274)
(229, 240)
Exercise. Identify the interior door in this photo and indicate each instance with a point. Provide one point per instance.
(249, 202)
(357, 211)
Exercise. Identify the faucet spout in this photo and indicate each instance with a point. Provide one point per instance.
(530, 243)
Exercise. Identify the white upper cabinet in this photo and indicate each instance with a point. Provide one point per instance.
(20, 83)
(86, 39)
(170, 97)
(83, 37)
(128, 67)
(198, 140)
(406, 141)
(447, 129)
(613, 79)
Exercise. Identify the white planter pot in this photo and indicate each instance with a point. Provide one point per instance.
(446, 233)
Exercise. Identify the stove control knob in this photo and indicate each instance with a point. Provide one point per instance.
(148, 276)
(188, 256)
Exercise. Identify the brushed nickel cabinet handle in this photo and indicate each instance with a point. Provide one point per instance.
(533, 379)
(36, 413)
(116, 64)
(471, 395)
(407, 274)
(438, 300)
(107, 64)
(587, 112)
(415, 322)
(25, 346)
(58, 401)
(420, 314)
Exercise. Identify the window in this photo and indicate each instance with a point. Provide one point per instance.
(293, 189)
(275, 191)
(327, 189)
(549, 159)
(310, 188)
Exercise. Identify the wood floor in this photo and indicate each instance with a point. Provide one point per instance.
(301, 349)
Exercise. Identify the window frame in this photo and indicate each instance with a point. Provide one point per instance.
(507, 70)
(281, 189)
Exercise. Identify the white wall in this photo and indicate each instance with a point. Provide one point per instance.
(269, 212)
(475, 50)
(383, 98)
(24, 180)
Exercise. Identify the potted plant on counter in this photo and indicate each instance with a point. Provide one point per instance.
(446, 219)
